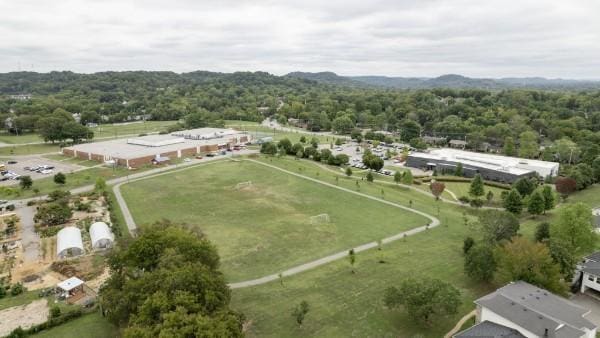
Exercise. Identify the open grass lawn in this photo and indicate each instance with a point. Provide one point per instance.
(462, 189)
(264, 228)
(103, 130)
(259, 131)
(22, 299)
(74, 180)
(90, 325)
(6, 137)
(133, 128)
(345, 304)
(30, 149)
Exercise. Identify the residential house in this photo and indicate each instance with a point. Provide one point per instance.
(531, 311)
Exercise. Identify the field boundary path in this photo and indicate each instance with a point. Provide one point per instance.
(342, 254)
(434, 222)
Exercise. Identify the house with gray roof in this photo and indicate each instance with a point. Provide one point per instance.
(488, 329)
(532, 312)
(589, 273)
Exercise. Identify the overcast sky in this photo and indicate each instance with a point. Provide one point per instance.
(479, 38)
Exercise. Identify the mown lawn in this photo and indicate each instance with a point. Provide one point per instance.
(462, 189)
(74, 180)
(343, 304)
(103, 130)
(22, 299)
(91, 325)
(264, 228)
(30, 149)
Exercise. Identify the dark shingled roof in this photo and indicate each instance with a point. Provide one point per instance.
(591, 267)
(489, 330)
(594, 257)
(535, 310)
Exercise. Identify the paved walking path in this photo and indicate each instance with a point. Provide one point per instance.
(460, 323)
(300, 268)
(342, 254)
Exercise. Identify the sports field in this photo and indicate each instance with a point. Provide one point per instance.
(266, 227)
(343, 304)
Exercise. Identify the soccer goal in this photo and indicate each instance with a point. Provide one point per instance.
(243, 185)
(319, 219)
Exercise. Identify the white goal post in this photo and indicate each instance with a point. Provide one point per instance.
(319, 219)
(243, 185)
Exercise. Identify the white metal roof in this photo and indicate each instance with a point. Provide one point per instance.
(68, 238)
(70, 284)
(513, 165)
(100, 231)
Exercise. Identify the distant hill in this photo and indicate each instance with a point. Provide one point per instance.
(445, 81)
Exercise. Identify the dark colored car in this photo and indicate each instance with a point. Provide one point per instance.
(12, 162)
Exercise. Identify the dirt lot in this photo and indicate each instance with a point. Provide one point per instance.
(24, 316)
(33, 161)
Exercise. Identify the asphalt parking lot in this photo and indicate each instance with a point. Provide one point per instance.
(35, 161)
(356, 156)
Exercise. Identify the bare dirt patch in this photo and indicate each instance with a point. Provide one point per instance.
(24, 316)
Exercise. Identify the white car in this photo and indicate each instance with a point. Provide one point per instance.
(46, 172)
(186, 160)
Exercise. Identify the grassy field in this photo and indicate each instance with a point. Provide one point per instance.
(102, 131)
(74, 180)
(91, 325)
(259, 131)
(30, 149)
(462, 189)
(264, 228)
(345, 304)
(22, 299)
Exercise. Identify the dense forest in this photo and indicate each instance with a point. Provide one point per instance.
(552, 125)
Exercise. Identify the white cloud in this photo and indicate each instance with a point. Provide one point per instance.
(494, 38)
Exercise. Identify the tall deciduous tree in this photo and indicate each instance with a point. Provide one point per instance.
(509, 146)
(521, 259)
(513, 202)
(437, 188)
(476, 189)
(424, 298)
(573, 228)
(548, 195)
(528, 144)
(565, 186)
(480, 263)
(535, 205)
(167, 282)
(497, 225)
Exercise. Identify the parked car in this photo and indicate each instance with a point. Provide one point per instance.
(12, 162)
(27, 168)
(199, 157)
(46, 171)
(186, 160)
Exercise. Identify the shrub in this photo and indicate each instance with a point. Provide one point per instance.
(476, 203)
(464, 199)
(54, 311)
(17, 289)
(10, 207)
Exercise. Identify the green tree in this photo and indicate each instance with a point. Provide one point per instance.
(100, 184)
(60, 178)
(424, 298)
(25, 182)
(180, 290)
(513, 202)
(397, 177)
(407, 177)
(458, 171)
(548, 195)
(573, 229)
(564, 257)
(268, 148)
(524, 186)
(299, 312)
(342, 125)
(521, 259)
(535, 205)
(497, 225)
(348, 171)
(286, 145)
(480, 263)
(468, 243)
(476, 189)
(302, 139)
(542, 232)
(53, 213)
(509, 146)
(528, 144)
